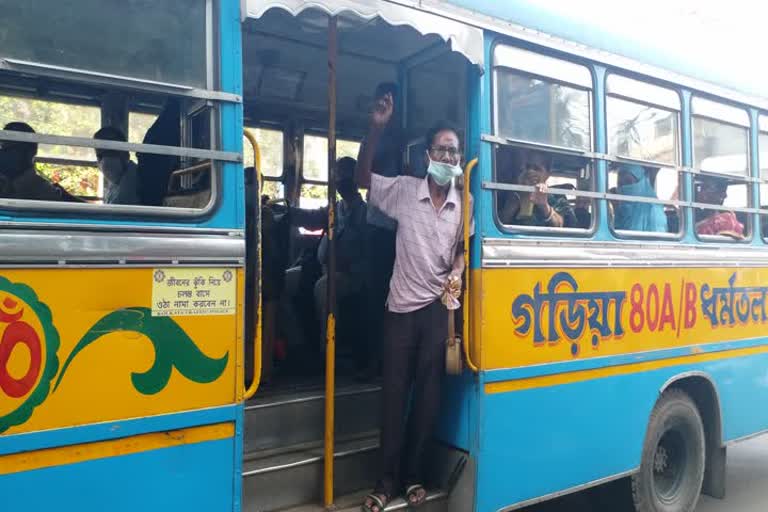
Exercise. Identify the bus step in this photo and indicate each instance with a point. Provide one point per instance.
(436, 502)
(293, 418)
(290, 478)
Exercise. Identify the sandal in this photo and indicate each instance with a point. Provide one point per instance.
(415, 495)
(375, 502)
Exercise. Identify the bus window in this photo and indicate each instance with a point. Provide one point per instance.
(314, 192)
(271, 147)
(762, 147)
(720, 152)
(649, 215)
(542, 110)
(538, 195)
(643, 125)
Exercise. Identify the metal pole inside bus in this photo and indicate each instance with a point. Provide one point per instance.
(330, 353)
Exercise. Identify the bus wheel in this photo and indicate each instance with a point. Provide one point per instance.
(672, 469)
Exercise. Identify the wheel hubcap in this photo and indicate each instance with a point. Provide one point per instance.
(669, 464)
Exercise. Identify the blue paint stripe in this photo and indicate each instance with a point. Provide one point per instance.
(115, 429)
(542, 370)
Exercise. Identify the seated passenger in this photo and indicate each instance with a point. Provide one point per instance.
(714, 190)
(155, 170)
(120, 173)
(536, 208)
(19, 178)
(634, 181)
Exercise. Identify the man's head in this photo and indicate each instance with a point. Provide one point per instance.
(114, 134)
(536, 168)
(345, 177)
(443, 143)
(711, 190)
(17, 157)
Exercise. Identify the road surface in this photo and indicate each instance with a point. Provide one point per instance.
(747, 487)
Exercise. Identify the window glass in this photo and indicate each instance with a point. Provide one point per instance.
(551, 172)
(536, 110)
(720, 147)
(271, 147)
(136, 38)
(649, 182)
(721, 191)
(641, 132)
(763, 157)
(138, 124)
(316, 155)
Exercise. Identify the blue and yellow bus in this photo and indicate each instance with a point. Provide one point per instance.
(135, 335)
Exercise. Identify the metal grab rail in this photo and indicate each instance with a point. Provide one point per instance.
(258, 338)
(467, 211)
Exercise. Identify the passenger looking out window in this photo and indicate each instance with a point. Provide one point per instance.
(714, 190)
(538, 208)
(635, 180)
(120, 173)
(19, 178)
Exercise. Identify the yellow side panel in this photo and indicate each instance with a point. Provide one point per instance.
(79, 346)
(538, 316)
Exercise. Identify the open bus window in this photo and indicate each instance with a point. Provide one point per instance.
(66, 174)
(541, 180)
(647, 183)
(72, 168)
(721, 222)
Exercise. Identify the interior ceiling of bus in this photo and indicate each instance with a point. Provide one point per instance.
(285, 64)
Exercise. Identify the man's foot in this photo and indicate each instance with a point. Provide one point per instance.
(416, 495)
(375, 502)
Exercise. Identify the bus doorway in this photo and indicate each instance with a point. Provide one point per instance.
(293, 455)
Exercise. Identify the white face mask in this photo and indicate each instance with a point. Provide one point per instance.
(442, 172)
(112, 168)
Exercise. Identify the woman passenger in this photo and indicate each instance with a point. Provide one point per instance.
(714, 190)
(634, 181)
(538, 208)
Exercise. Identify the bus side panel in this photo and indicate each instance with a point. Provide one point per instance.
(191, 477)
(545, 435)
(87, 345)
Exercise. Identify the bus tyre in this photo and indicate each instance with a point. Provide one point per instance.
(672, 469)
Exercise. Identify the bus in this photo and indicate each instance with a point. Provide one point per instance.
(147, 345)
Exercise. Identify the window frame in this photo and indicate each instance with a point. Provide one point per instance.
(209, 97)
(708, 105)
(616, 159)
(500, 141)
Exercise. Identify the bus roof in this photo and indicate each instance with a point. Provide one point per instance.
(707, 40)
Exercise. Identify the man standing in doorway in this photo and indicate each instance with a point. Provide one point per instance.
(428, 258)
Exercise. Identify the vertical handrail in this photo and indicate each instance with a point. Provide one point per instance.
(258, 338)
(330, 326)
(467, 211)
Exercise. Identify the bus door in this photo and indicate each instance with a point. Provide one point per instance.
(312, 435)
